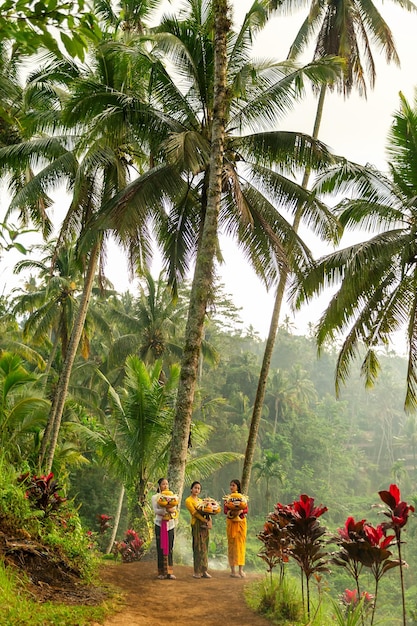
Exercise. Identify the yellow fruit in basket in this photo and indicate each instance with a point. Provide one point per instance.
(236, 501)
(209, 505)
(168, 499)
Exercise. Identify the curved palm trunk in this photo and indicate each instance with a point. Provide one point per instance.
(51, 358)
(270, 342)
(47, 432)
(203, 274)
(55, 416)
(116, 520)
(139, 517)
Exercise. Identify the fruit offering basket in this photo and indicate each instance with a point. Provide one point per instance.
(209, 506)
(168, 499)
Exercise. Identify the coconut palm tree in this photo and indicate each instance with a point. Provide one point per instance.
(270, 466)
(204, 270)
(94, 167)
(346, 30)
(138, 437)
(152, 327)
(48, 309)
(376, 279)
(253, 174)
(119, 112)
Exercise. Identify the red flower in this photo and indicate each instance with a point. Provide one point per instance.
(350, 597)
(368, 597)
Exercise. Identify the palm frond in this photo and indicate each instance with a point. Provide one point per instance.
(205, 466)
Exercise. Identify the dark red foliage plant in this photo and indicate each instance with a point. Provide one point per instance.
(363, 545)
(131, 548)
(398, 513)
(103, 521)
(42, 492)
(275, 539)
(294, 531)
(346, 538)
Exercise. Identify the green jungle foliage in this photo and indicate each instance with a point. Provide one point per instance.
(116, 424)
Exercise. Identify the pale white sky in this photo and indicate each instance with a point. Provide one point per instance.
(355, 128)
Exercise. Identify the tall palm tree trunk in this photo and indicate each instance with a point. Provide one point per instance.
(203, 274)
(116, 520)
(270, 342)
(57, 409)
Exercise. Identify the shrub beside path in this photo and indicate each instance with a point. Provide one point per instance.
(148, 601)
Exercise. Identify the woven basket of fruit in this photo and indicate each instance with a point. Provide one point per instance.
(235, 501)
(170, 500)
(209, 506)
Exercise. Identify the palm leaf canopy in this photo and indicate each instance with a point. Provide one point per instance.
(142, 417)
(347, 29)
(174, 124)
(374, 281)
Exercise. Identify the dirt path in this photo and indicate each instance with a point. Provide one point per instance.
(180, 602)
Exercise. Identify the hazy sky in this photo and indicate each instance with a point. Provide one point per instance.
(355, 128)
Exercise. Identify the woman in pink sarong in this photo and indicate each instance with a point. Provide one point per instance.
(164, 533)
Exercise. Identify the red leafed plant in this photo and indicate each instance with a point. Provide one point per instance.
(104, 522)
(42, 492)
(398, 514)
(275, 539)
(305, 537)
(364, 545)
(131, 548)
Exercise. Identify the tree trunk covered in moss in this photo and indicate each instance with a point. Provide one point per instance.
(203, 275)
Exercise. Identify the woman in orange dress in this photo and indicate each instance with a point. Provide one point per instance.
(236, 530)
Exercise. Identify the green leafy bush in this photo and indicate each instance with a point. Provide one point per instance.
(33, 505)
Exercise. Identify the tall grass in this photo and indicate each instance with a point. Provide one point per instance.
(280, 602)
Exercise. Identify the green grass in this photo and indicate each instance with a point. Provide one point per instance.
(281, 602)
(18, 608)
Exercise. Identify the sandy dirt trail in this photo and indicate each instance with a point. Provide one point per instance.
(148, 601)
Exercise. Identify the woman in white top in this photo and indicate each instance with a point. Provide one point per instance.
(164, 533)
